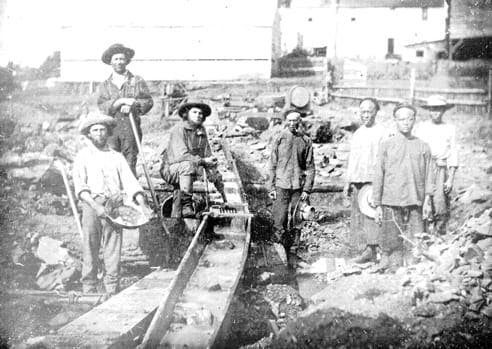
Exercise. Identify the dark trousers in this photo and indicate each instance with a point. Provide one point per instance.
(97, 232)
(363, 230)
(285, 198)
(123, 140)
(408, 219)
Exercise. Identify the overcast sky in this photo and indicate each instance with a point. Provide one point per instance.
(29, 31)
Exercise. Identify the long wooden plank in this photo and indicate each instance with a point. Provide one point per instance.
(119, 321)
(163, 316)
(417, 89)
(221, 334)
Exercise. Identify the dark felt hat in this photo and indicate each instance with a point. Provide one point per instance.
(117, 48)
(194, 104)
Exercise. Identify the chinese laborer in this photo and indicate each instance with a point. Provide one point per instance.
(101, 174)
(402, 188)
(364, 232)
(291, 179)
(441, 137)
(118, 96)
(187, 153)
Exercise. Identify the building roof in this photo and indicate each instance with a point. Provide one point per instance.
(422, 43)
(368, 3)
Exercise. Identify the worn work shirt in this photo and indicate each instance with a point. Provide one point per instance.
(292, 162)
(103, 173)
(442, 141)
(363, 153)
(187, 144)
(402, 174)
(133, 87)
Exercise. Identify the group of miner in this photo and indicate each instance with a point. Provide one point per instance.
(409, 172)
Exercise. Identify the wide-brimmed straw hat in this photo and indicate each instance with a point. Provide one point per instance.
(436, 102)
(194, 104)
(364, 198)
(117, 48)
(96, 119)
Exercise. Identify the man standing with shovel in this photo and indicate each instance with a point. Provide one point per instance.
(118, 96)
(101, 175)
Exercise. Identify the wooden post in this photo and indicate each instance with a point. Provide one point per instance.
(412, 85)
(489, 91)
(166, 100)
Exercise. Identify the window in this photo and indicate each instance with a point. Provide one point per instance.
(391, 46)
(419, 53)
(424, 13)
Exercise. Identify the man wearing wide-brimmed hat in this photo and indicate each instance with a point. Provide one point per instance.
(188, 151)
(101, 174)
(118, 96)
(441, 137)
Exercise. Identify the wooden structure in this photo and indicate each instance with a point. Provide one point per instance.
(470, 19)
(472, 100)
(183, 308)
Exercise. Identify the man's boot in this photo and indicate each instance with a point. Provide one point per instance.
(384, 264)
(187, 210)
(369, 255)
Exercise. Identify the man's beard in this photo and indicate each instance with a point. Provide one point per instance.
(100, 144)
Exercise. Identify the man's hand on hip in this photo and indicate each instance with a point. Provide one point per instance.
(273, 194)
(304, 195)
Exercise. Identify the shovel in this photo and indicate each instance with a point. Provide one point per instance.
(146, 172)
(63, 171)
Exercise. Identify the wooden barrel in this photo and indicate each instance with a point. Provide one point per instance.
(299, 96)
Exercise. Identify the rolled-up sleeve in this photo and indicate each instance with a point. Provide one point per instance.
(79, 174)
(377, 184)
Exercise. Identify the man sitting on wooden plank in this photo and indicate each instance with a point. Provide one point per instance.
(188, 151)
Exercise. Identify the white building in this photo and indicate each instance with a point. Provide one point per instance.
(363, 29)
(173, 40)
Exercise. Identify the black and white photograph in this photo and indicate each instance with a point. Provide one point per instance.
(251, 174)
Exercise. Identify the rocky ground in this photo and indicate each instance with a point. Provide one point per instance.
(442, 301)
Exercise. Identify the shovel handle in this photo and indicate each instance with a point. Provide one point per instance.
(63, 171)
